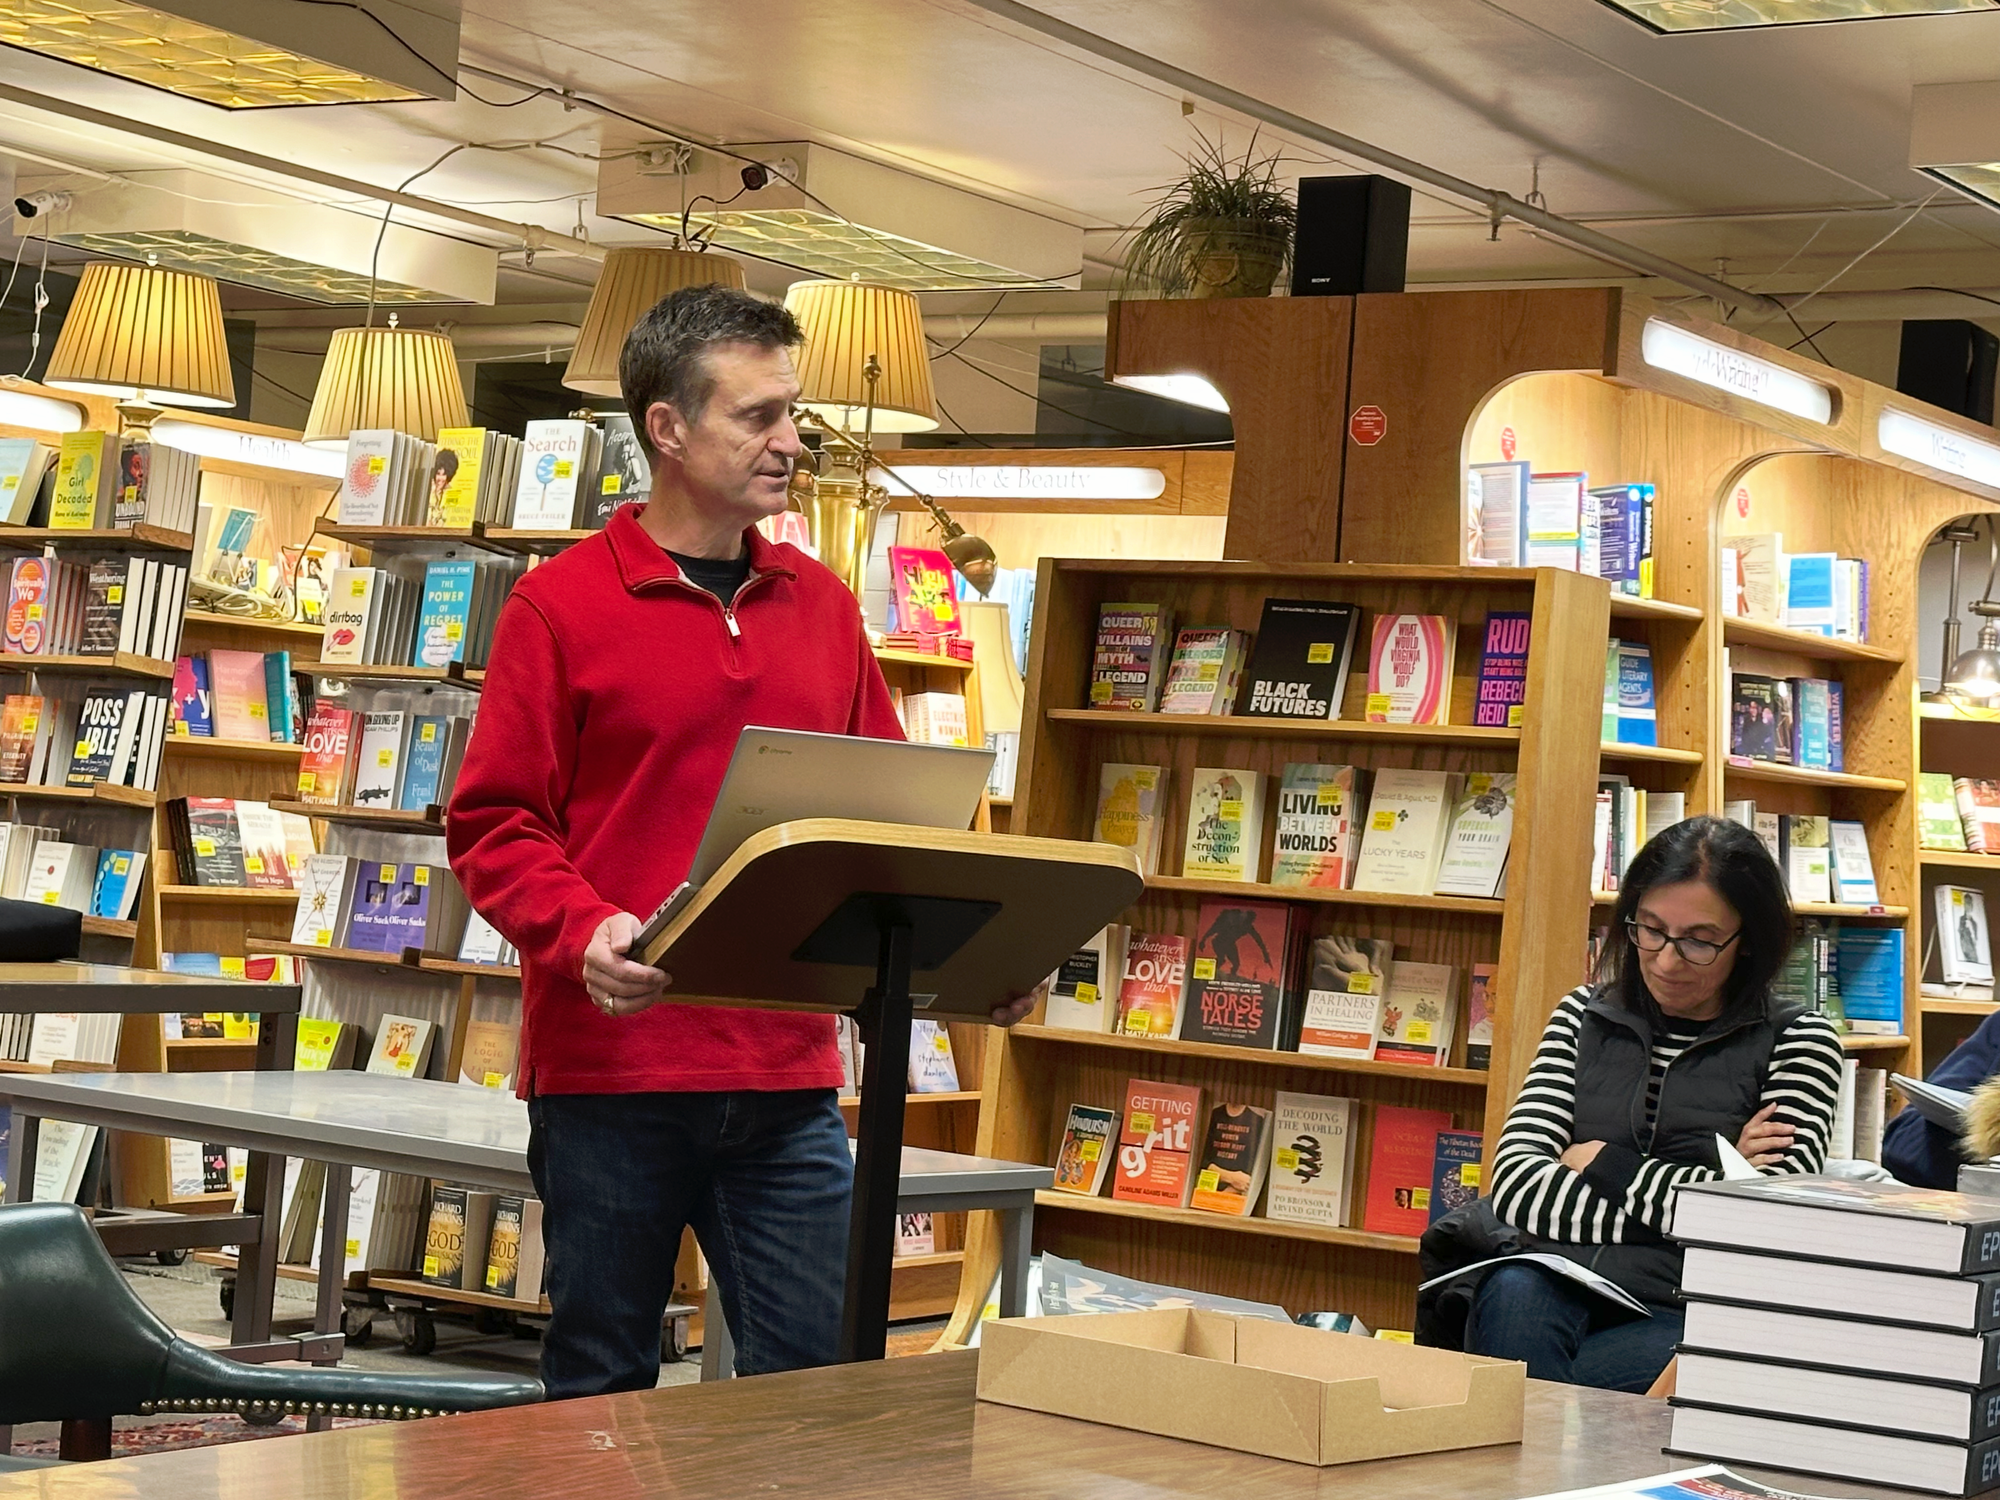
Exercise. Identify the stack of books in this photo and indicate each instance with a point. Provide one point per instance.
(1959, 813)
(395, 760)
(387, 480)
(379, 907)
(96, 608)
(1842, 1328)
(84, 735)
(1822, 859)
(1820, 593)
(241, 695)
(1523, 519)
(379, 616)
(99, 482)
(237, 843)
(558, 478)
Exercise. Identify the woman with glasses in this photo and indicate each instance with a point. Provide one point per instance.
(1681, 1041)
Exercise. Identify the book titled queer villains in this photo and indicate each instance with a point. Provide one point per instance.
(1298, 669)
(1129, 662)
(1236, 983)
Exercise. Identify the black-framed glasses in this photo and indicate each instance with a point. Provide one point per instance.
(1698, 951)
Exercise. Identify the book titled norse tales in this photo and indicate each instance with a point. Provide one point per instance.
(1237, 973)
(1299, 667)
(1129, 662)
(1083, 993)
(1401, 1160)
(1312, 1159)
(1235, 1153)
(1345, 990)
(1129, 811)
(1402, 842)
(1156, 1143)
(1409, 669)
(1319, 823)
(1225, 825)
(1474, 861)
(1419, 1015)
(1153, 982)
(1503, 670)
(1084, 1154)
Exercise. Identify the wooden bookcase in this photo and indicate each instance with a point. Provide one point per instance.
(1034, 1072)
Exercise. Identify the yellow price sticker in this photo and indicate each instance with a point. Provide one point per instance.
(454, 630)
(49, 897)
(357, 588)
(1208, 1180)
(1420, 1198)
(1360, 984)
(610, 485)
(204, 847)
(1089, 1151)
(941, 612)
(1086, 994)
(1232, 810)
(492, 1277)
(353, 1248)
(1514, 715)
(424, 878)
(1417, 1031)
(430, 733)
(388, 872)
(1100, 692)
(1383, 821)
(1319, 653)
(377, 463)
(323, 938)
(494, 1080)
(29, 722)
(1285, 1159)
(308, 780)
(431, 1265)
(253, 864)
(115, 594)
(120, 864)
(1328, 795)
(1377, 707)
(1139, 1023)
(1468, 1173)
(82, 749)
(257, 711)
(564, 468)
(385, 756)
(34, 613)
(1204, 968)
(1141, 1122)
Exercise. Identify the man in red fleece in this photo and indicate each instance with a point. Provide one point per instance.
(620, 677)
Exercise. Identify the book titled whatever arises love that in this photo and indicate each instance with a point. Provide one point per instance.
(1149, 993)
(1409, 669)
(1156, 1143)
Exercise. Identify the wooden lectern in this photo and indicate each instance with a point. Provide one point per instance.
(879, 920)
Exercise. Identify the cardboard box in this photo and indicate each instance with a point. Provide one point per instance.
(1253, 1385)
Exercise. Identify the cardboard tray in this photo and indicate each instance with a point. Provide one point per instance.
(1252, 1385)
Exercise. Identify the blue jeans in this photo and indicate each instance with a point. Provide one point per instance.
(765, 1180)
(1567, 1334)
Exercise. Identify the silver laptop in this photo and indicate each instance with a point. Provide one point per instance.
(778, 775)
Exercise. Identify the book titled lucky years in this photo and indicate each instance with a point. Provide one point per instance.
(1298, 669)
(1237, 974)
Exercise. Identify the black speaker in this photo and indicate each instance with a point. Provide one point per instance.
(1353, 236)
(1950, 363)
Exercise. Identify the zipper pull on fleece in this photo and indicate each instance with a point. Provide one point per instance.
(729, 619)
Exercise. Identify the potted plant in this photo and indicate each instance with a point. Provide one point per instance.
(1224, 229)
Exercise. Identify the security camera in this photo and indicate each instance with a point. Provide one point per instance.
(37, 205)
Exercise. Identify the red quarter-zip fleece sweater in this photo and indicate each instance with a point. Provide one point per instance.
(614, 695)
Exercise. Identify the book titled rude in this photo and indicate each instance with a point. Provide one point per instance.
(1236, 983)
(1409, 669)
(1503, 670)
(1299, 667)
(1156, 1143)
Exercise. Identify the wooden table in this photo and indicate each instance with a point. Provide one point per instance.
(859, 1432)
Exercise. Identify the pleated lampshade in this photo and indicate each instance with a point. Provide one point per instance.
(400, 378)
(144, 331)
(632, 281)
(844, 323)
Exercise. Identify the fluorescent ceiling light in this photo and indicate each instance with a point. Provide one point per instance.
(1029, 482)
(1955, 136)
(38, 413)
(195, 221)
(249, 447)
(839, 216)
(1940, 447)
(1737, 15)
(1192, 390)
(242, 54)
(1667, 347)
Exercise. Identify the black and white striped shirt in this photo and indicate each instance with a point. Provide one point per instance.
(1535, 1192)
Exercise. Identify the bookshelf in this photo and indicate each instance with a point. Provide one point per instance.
(1035, 1072)
(1956, 746)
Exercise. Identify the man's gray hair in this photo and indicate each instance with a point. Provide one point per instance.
(663, 358)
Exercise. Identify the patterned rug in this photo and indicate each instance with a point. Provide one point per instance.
(165, 1437)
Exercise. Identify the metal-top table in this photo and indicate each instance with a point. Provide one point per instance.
(426, 1129)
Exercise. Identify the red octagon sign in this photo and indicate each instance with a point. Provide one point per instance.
(1368, 426)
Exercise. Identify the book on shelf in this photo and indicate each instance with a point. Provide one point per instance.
(1853, 869)
(326, 892)
(446, 612)
(559, 460)
(1630, 673)
(482, 944)
(1808, 857)
(1964, 941)
(1419, 1014)
(458, 1236)
(1156, 1142)
(1083, 993)
(1152, 984)
(1503, 670)
(323, 1045)
(1346, 987)
(87, 475)
(1312, 1159)
(1318, 825)
(492, 1052)
(1225, 825)
(378, 760)
(1978, 812)
(1299, 666)
(933, 1070)
(353, 603)
(624, 473)
(1083, 1155)
(1625, 538)
(1455, 1171)
(1869, 966)
(915, 1235)
(1474, 859)
(1129, 661)
(1130, 811)
(23, 464)
(1479, 1016)
(62, 874)
(473, 477)
(1563, 524)
(1938, 823)
(515, 1258)
(63, 1159)
(921, 581)
(1497, 513)
(1206, 671)
(1401, 1159)
(326, 768)
(1239, 972)
(1409, 669)
(398, 906)
(1809, 591)
(1402, 842)
(1760, 718)
(380, 477)
(934, 718)
(1818, 724)
(1760, 569)
(402, 1046)
(1234, 1156)
(115, 892)
(193, 700)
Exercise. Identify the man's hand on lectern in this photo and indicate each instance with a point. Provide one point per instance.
(616, 985)
(1013, 1010)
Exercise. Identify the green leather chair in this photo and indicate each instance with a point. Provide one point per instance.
(77, 1346)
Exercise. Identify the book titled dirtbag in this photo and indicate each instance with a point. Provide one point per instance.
(1299, 667)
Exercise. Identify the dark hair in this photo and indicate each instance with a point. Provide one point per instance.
(1734, 863)
(446, 463)
(662, 358)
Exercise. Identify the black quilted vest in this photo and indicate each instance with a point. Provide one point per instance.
(1711, 1089)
